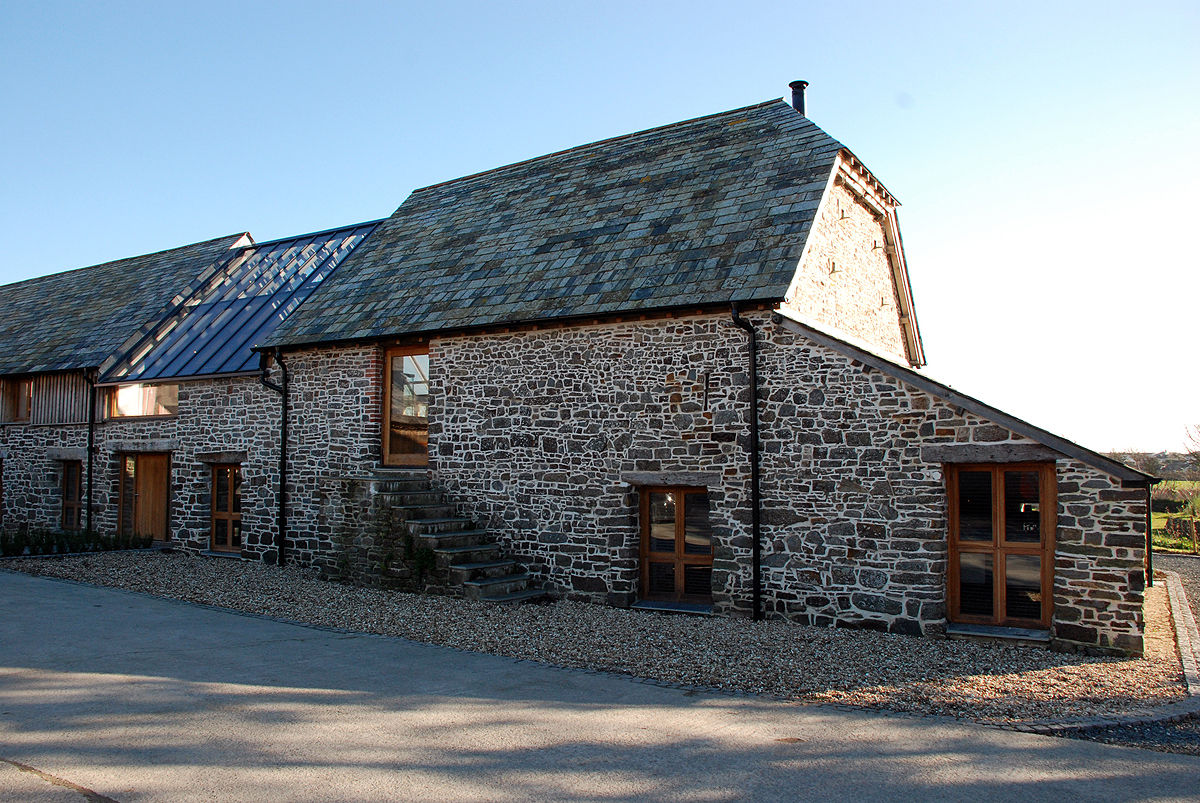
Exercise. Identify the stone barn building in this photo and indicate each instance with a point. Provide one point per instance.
(674, 370)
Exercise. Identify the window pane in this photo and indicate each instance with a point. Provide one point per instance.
(220, 532)
(697, 533)
(697, 581)
(236, 480)
(1023, 586)
(132, 400)
(975, 506)
(235, 533)
(408, 417)
(662, 578)
(128, 476)
(975, 579)
(1022, 508)
(221, 491)
(662, 523)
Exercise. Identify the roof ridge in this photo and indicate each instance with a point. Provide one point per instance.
(599, 142)
(232, 237)
(318, 233)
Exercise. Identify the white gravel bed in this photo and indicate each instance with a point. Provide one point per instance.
(922, 675)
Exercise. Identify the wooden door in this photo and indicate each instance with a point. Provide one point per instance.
(145, 490)
(676, 545)
(406, 408)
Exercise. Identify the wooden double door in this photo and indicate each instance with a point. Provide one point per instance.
(145, 495)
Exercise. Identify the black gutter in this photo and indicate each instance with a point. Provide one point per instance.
(282, 389)
(90, 378)
(755, 493)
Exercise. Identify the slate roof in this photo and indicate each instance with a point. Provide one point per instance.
(212, 330)
(699, 212)
(78, 318)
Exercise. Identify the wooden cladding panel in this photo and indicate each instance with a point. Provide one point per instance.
(59, 399)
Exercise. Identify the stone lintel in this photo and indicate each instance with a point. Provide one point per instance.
(989, 453)
(65, 453)
(217, 458)
(161, 445)
(695, 479)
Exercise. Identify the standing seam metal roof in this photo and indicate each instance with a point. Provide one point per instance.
(704, 211)
(213, 330)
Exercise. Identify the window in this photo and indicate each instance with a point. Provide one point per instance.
(72, 494)
(142, 400)
(676, 545)
(16, 397)
(226, 508)
(1002, 524)
(406, 409)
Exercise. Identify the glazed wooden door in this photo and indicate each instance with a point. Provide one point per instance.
(145, 491)
(676, 545)
(406, 408)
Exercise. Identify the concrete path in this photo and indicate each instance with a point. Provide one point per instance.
(113, 695)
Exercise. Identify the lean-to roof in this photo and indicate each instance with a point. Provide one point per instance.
(76, 319)
(701, 212)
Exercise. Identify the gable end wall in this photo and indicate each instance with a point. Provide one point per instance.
(845, 279)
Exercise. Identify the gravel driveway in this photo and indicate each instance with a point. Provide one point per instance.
(982, 682)
(1166, 737)
(1188, 568)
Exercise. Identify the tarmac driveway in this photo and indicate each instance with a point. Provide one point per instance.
(110, 694)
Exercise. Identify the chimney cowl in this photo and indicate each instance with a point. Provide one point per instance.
(798, 95)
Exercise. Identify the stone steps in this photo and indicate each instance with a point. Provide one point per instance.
(493, 588)
(447, 556)
(467, 560)
(463, 573)
(528, 595)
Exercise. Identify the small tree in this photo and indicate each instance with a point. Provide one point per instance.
(1192, 446)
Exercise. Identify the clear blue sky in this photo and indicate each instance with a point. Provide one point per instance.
(1046, 154)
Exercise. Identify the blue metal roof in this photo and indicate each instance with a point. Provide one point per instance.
(212, 330)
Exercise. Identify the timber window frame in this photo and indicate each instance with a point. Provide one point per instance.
(404, 434)
(16, 399)
(991, 556)
(72, 495)
(225, 518)
(686, 566)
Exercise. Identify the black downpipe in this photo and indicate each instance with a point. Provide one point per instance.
(755, 494)
(91, 443)
(282, 389)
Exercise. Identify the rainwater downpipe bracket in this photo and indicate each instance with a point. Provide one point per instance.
(755, 492)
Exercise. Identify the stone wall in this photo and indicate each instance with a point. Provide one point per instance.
(858, 509)
(234, 416)
(334, 421)
(545, 436)
(537, 432)
(845, 280)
